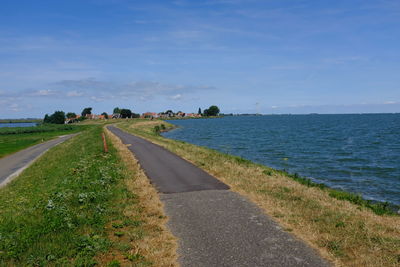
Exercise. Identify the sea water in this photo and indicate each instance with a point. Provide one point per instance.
(18, 124)
(356, 153)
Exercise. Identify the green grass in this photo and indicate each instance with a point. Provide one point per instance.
(17, 138)
(43, 128)
(60, 210)
(379, 208)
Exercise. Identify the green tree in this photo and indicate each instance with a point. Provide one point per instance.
(46, 118)
(58, 117)
(86, 111)
(117, 110)
(105, 115)
(135, 115)
(71, 115)
(199, 112)
(125, 113)
(212, 111)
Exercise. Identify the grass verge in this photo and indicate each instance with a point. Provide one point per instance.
(74, 207)
(158, 245)
(345, 233)
(13, 139)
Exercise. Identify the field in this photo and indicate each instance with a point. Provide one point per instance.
(342, 227)
(13, 139)
(79, 206)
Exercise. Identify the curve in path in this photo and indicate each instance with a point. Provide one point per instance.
(215, 226)
(11, 166)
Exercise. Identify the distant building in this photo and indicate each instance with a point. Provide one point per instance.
(192, 115)
(149, 115)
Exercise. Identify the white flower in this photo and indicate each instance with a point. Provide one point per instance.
(50, 205)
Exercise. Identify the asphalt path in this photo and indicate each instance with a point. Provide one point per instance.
(168, 172)
(11, 166)
(215, 226)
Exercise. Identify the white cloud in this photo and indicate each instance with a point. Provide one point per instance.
(344, 60)
(15, 107)
(390, 102)
(144, 90)
(176, 97)
(74, 93)
(99, 91)
(97, 98)
(44, 92)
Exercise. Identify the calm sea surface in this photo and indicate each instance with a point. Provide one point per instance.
(19, 124)
(357, 153)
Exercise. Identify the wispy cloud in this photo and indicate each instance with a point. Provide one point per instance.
(344, 60)
(45, 92)
(99, 91)
(176, 97)
(74, 93)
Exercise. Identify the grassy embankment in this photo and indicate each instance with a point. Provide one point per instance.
(78, 206)
(13, 139)
(342, 227)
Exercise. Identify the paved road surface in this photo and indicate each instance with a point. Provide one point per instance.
(11, 166)
(168, 172)
(215, 226)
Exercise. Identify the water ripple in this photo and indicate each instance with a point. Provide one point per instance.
(358, 153)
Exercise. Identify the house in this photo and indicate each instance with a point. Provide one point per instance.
(192, 115)
(149, 115)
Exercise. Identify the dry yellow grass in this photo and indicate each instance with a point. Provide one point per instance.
(158, 245)
(344, 233)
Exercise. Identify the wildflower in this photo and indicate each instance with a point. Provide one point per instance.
(50, 205)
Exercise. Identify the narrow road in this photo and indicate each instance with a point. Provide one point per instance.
(215, 226)
(11, 166)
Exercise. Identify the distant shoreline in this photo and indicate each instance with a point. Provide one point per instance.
(20, 120)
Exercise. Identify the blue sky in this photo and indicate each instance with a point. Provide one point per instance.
(288, 56)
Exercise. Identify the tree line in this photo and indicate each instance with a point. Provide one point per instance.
(59, 117)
